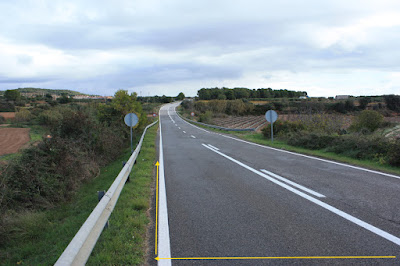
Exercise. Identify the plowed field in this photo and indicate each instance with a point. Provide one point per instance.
(12, 139)
(8, 115)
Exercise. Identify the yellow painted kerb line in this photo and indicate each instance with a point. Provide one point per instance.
(155, 246)
(282, 258)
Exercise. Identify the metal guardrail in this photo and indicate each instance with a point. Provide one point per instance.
(81, 246)
(217, 127)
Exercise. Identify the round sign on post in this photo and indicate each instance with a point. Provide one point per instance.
(192, 113)
(271, 117)
(131, 120)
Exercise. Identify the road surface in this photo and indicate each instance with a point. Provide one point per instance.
(221, 197)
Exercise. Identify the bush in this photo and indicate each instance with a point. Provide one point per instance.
(23, 115)
(281, 128)
(206, 117)
(370, 120)
(50, 117)
(2, 120)
(313, 141)
(394, 154)
(47, 174)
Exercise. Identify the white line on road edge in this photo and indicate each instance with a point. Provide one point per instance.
(315, 158)
(310, 191)
(215, 148)
(164, 250)
(193, 136)
(328, 207)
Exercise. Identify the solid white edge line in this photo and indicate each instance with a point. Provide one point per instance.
(328, 207)
(164, 249)
(315, 158)
(310, 191)
(215, 148)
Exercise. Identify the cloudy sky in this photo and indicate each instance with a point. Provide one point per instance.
(325, 47)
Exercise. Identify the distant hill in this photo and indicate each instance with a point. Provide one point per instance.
(48, 91)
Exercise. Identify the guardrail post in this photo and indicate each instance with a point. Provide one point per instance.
(129, 176)
(100, 195)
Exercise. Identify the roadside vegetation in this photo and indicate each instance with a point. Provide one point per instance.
(362, 130)
(70, 145)
(124, 242)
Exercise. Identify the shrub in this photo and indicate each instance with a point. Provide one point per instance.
(235, 107)
(394, 153)
(311, 140)
(217, 106)
(50, 117)
(367, 119)
(206, 117)
(23, 115)
(281, 128)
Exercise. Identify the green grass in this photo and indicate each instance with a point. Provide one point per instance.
(36, 133)
(124, 242)
(39, 238)
(279, 144)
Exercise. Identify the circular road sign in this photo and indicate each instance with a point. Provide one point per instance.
(271, 116)
(192, 113)
(131, 119)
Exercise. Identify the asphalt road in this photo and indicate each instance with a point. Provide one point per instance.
(237, 199)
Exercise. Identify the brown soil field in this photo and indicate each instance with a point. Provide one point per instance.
(8, 115)
(13, 139)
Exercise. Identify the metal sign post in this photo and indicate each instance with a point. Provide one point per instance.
(131, 121)
(271, 117)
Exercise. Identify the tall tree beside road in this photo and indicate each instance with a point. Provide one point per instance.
(180, 96)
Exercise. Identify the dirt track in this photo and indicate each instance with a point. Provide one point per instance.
(12, 139)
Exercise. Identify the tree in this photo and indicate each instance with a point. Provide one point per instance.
(12, 95)
(392, 102)
(125, 103)
(367, 119)
(364, 101)
(180, 96)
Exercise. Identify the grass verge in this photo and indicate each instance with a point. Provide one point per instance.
(39, 238)
(124, 242)
(279, 144)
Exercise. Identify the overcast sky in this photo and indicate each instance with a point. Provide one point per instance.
(166, 46)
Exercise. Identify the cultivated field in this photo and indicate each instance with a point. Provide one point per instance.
(8, 115)
(259, 121)
(12, 139)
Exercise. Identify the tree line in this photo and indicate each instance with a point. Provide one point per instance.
(244, 93)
